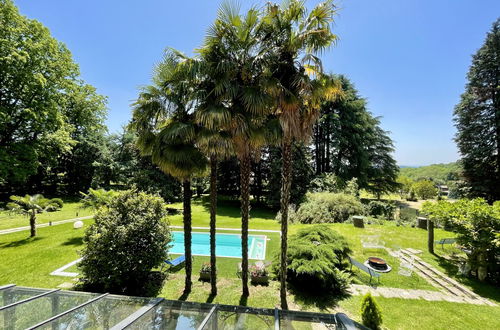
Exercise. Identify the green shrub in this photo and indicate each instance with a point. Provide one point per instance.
(425, 189)
(59, 202)
(477, 225)
(327, 207)
(371, 314)
(292, 214)
(315, 260)
(129, 238)
(378, 208)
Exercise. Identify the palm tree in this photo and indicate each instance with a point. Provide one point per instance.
(164, 122)
(28, 205)
(294, 36)
(234, 56)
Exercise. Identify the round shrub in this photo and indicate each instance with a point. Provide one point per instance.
(315, 260)
(327, 207)
(127, 241)
(57, 201)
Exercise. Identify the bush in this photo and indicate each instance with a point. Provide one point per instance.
(371, 314)
(328, 207)
(477, 225)
(315, 256)
(57, 201)
(292, 215)
(129, 238)
(378, 208)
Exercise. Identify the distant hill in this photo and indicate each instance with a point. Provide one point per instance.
(436, 172)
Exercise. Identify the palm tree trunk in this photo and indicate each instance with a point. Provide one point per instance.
(33, 223)
(245, 167)
(286, 182)
(213, 218)
(187, 233)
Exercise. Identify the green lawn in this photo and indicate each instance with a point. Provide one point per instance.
(71, 209)
(28, 262)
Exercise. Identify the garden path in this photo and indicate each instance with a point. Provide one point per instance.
(41, 225)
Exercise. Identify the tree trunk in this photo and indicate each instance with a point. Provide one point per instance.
(245, 167)
(33, 223)
(187, 233)
(286, 181)
(213, 218)
(430, 236)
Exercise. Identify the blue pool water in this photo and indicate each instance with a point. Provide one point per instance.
(227, 245)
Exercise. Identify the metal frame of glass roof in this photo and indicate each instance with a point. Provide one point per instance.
(31, 308)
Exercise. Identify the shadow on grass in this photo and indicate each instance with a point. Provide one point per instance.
(20, 242)
(484, 289)
(73, 241)
(243, 300)
(211, 298)
(320, 300)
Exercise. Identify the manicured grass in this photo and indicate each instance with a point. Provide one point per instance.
(29, 261)
(71, 209)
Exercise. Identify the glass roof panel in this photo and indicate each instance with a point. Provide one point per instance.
(28, 314)
(17, 293)
(100, 314)
(173, 315)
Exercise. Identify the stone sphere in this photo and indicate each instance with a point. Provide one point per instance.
(78, 224)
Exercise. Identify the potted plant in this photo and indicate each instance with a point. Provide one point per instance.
(205, 271)
(259, 274)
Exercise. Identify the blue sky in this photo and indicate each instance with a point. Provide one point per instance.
(408, 58)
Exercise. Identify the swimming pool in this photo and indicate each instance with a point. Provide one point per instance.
(227, 245)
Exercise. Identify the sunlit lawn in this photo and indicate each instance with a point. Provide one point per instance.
(71, 209)
(28, 262)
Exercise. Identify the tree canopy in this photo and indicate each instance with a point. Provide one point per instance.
(44, 106)
(477, 119)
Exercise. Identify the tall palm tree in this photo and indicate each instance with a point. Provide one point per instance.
(164, 121)
(294, 37)
(234, 55)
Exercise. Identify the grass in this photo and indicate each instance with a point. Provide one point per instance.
(71, 209)
(28, 262)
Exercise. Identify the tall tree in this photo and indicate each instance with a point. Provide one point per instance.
(477, 119)
(214, 141)
(164, 122)
(39, 87)
(294, 36)
(235, 55)
(349, 142)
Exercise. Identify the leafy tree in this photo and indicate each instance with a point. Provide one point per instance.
(348, 142)
(425, 189)
(371, 314)
(132, 222)
(31, 205)
(477, 119)
(405, 185)
(167, 132)
(294, 36)
(477, 225)
(39, 93)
